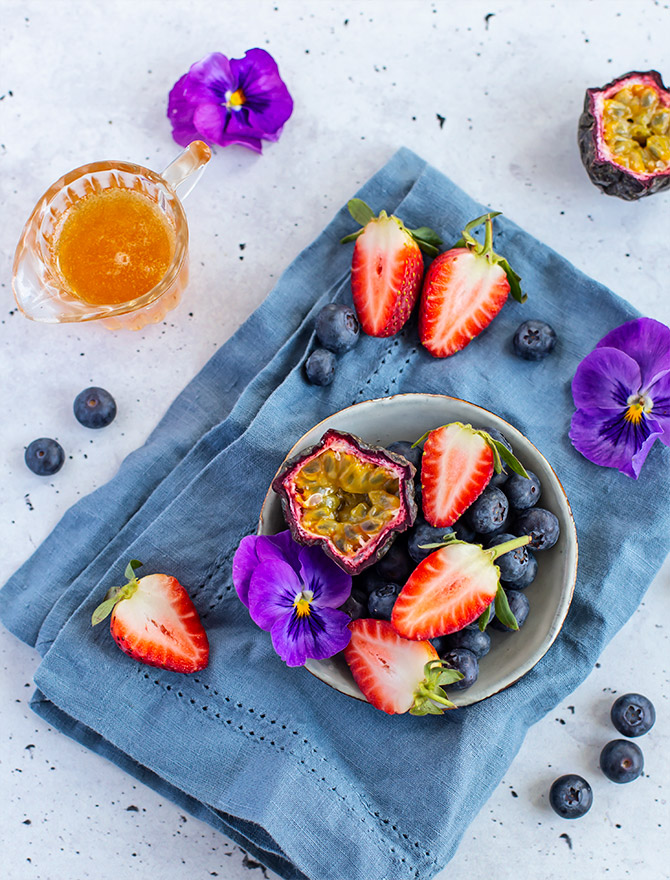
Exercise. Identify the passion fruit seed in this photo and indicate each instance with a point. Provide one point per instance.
(636, 128)
(345, 499)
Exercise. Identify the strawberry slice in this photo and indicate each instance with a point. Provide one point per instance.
(463, 291)
(394, 674)
(451, 588)
(386, 268)
(154, 621)
(458, 462)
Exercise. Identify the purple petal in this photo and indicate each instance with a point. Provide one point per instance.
(212, 74)
(267, 100)
(272, 591)
(660, 396)
(331, 586)
(245, 561)
(646, 341)
(284, 547)
(320, 634)
(210, 119)
(608, 439)
(605, 378)
(180, 113)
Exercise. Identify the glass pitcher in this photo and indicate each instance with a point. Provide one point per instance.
(41, 289)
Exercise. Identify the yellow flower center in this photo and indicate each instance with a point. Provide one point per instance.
(302, 603)
(638, 405)
(234, 100)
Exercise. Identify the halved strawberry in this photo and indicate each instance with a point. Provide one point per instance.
(386, 268)
(463, 291)
(154, 621)
(394, 674)
(451, 588)
(457, 464)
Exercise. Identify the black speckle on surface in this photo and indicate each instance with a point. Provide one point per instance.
(29, 503)
(566, 838)
(132, 809)
(487, 19)
(242, 245)
(252, 865)
(441, 120)
(572, 709)
(560, 720)
(27, 822)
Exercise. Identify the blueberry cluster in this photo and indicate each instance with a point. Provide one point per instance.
(621, 760)
(93, 408)
(337, 329)
(505, 510)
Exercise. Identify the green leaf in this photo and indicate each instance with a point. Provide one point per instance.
(131, 568)
(503, 611)
(514, 281)
(425, 233)
(510, 459)
(484, 619)
(449, 676)
(361, 212)
(105, 608)
(351, 237)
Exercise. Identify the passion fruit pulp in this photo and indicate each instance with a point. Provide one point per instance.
(350, 497)
(624, 135)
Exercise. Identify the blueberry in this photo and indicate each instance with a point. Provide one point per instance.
(405, 448)
(529, 573)
(354, 607)
(621, 760)
(464, 661)
(94, 408)
(523, 493)
(518, 605)
(534, 340)
(337, 328)
(320, 367)
(488, 512)
(424, 533)
(44, 457)
(363, 584)
(463, 531)
(497, 481)
(633, 715)
(570, 796)
(471, 639)
(540, 524)
(381, 601)
(396, 565)
(512, 564)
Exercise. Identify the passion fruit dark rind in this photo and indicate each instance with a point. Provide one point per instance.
(348, 496)
(624, 135)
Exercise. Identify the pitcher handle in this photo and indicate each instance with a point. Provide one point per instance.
(185, 171)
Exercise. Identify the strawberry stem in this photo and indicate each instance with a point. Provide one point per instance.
(117, 594)
(500, 549)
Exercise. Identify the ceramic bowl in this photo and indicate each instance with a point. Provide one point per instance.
(407, 417)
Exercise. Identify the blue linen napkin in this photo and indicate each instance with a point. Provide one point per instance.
(313, 784)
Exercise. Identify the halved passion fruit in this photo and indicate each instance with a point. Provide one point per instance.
(348, 496)
(624, 135)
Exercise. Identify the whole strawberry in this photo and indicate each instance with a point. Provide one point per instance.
(386, 268)
(464, 290)
(154, 621)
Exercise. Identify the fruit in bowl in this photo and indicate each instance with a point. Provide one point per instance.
(550, 592)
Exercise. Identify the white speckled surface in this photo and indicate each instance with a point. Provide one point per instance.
(82, 81)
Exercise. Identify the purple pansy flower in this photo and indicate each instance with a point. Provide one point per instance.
(294, 593)
(230, 101)
(622, 394)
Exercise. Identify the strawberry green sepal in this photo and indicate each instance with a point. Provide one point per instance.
(486, 250)
(502, 610)
(117, 594)
(427, 239)
(429, 697)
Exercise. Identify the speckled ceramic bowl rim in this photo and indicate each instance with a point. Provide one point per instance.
(459, 698)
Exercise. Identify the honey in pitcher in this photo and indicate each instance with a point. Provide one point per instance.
(114, 246)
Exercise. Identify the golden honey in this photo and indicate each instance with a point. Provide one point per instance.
(114, 246)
